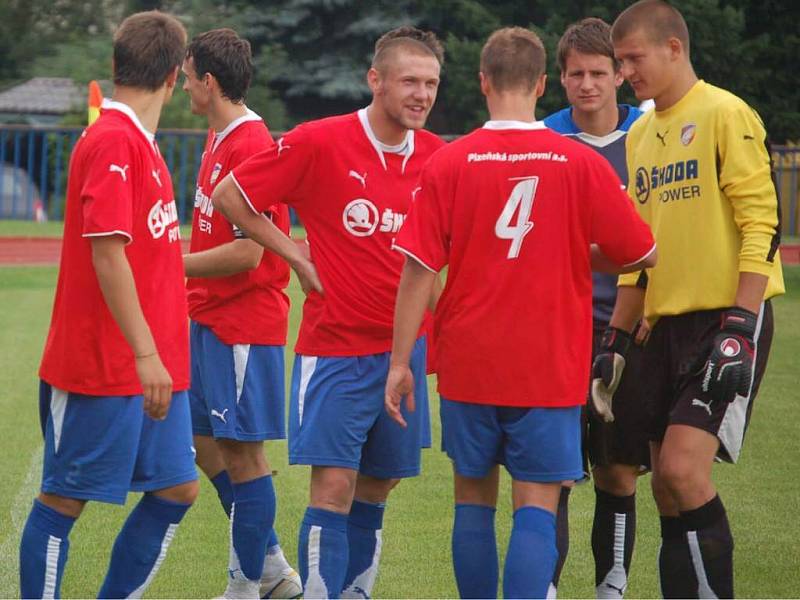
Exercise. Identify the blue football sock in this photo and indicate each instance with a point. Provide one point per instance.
(141, 546)
(364, 539)
(222, 483)
(43, 552)
(253, 515)
(475, 551)
(323, 553)
(532, 555)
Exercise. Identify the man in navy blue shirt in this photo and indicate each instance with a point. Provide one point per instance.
(617, 451)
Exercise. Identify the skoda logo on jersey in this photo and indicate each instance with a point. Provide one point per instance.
(730, 347)
(642, 185)
(160, 217)
(688, 132)
(360, 217)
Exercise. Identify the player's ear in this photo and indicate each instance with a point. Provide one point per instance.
(373, 79)
(172, 78)
(486, 86)
(540, 85)
(676, 49)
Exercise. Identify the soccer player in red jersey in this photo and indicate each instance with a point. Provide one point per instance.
(239, 315)
(513, 209)
(351, 179)
(115, 370)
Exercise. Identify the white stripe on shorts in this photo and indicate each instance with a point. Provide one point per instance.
(308, 364)
(51, 566)
(241, 352)
(58, 405)
(731, 430)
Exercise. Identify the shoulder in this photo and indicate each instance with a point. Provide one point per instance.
(253, 137)
(561, 121)
(633, 115)
(424, 139)
(640, 124)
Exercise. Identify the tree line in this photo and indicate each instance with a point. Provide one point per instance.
(311, 55)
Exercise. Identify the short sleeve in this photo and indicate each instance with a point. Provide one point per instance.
(108, 188)
(284, 172)
(616, 227)
(425, 234)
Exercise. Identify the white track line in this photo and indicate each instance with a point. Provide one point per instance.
(18, 514)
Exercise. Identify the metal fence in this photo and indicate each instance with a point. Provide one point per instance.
(34, 163)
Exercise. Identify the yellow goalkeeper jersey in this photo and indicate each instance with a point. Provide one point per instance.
(699, 175)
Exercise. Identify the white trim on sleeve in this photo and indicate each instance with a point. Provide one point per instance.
(244, 195)
(412, 255)
(649, 252)
(109, 233)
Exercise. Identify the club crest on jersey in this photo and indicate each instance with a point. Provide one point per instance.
(215, 173)
(688, 132)
(730, 347)
(360, 217)
(161, 217)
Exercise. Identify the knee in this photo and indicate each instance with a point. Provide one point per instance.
(333, 491)
(675, 474)
(371, 489)
(618, 480)
(186, 493)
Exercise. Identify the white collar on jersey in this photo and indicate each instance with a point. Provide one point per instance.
(499, 125)
(109, 104)
(248, 116)
(600, 141)
(405, 149)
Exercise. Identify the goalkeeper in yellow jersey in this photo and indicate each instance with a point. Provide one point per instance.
(699, 174)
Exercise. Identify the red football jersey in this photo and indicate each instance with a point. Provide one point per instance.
(512, 208)
(118, 184)
(249, 307)
(352, 197)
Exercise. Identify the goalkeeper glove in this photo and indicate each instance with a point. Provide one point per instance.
(607, 371)
(728, 370)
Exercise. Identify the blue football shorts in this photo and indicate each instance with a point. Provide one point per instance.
(237, 391)
(535, 444)
(102, 447)
(337, 417)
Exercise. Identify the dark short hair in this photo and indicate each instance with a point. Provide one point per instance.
(513, 58)
(658, 19)
(587, 36)
(410, 39)
(226, 56)
(148, 47)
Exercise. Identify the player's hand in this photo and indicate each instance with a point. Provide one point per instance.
(399, 384)
(643, 333)
(607, 371)
(728, 370)
(156, 385)
(307, 274)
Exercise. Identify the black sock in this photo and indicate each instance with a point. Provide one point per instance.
(675, 568)
(562, 532)
(711, 548)
(613, 536)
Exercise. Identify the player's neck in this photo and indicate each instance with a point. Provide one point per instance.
(511, 107)
(598, 123)
(387, 130)
(145, 104)
(680, 86)
(223, 113)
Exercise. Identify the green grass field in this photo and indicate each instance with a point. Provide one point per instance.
(759, 492)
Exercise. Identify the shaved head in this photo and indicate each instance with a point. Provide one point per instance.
(659, 21)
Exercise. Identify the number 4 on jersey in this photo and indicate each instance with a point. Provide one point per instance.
(520, 202)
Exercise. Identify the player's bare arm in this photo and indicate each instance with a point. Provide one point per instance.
(436, 293)
(413, 296)
(229, 201)
(228, 259)
(602, 264)
(119, 290)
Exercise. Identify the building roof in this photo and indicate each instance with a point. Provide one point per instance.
(42, 95)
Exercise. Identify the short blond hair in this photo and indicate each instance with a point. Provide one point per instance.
(513, 58)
